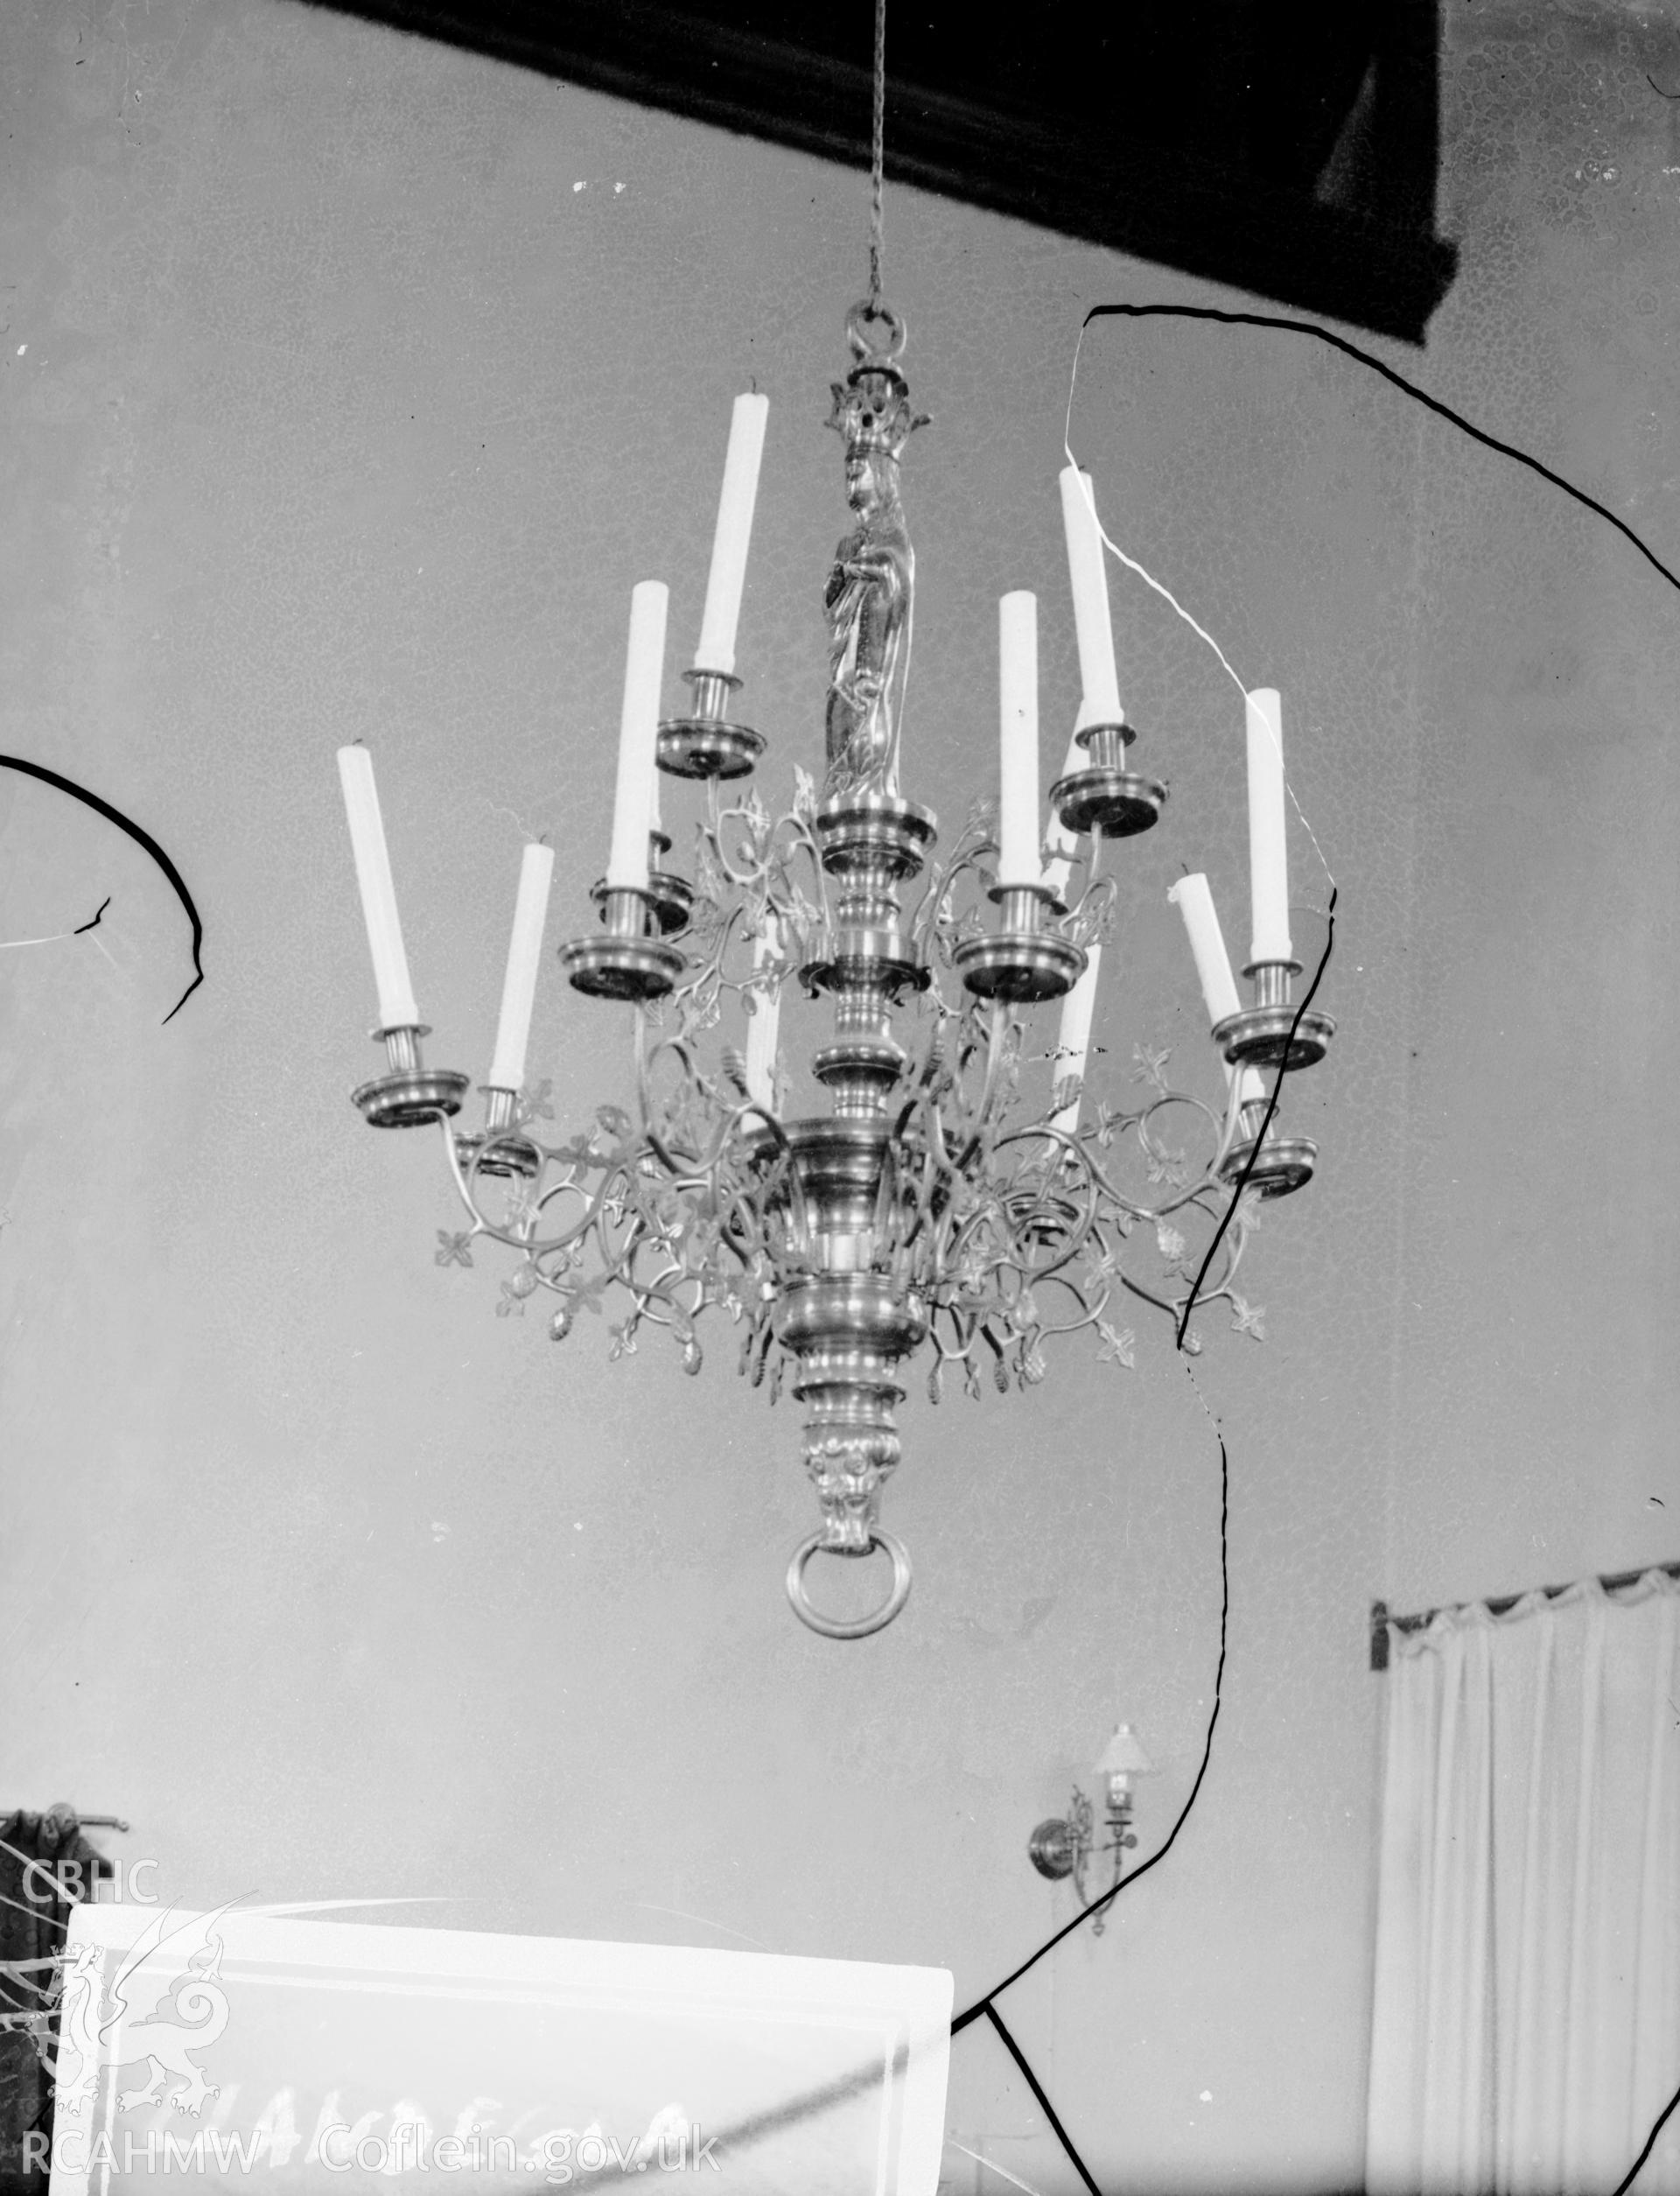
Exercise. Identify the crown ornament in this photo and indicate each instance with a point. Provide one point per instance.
(871, 406)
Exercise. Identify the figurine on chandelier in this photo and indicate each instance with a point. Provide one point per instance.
(871, 589)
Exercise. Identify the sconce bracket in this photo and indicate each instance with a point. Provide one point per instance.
(1062, 1845)
(1051, 1848)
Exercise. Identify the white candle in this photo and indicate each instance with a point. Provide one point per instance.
(1195, 904)
(1074, 1035)
(1088, 577)
(644, 671)
(764, 1026)
(524, 956)
(1268, 839)
(1059, 843)
(728, 543)
(1253, 1084)
(396, 1007)
(1017, 727)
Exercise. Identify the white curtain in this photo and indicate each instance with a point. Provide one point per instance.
(1526, 2025)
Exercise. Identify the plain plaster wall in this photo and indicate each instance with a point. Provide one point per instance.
(347, 394)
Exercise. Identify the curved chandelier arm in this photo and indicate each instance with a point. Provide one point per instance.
(750, 1239)
(764, 861)
(601, 1204)
(1088, 1313)
(928, 918)
(702, 1171)
(1158, 1151)
(923, 1109)
(675, 1166)
(658, 1289)
(932, 916)
(1067, 1247)
(1211, 1290)
(706, 975)
(451, 1157)
(1210, 1179)
(1173, 1307)
(518, 1237)
(595, 1203)
(697, 1167)
(748, 875)
(786, 1171)
(999, 1026)
(934, 1167)
(1088, 917)
(538, 1252)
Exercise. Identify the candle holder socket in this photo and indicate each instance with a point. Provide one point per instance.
(498, 1148)
(1282, 1164)
(631, 961)
(670, 897)
(1268, 1034)
(703, 743)
(411, 1094)
(1022, 960)
(1105, 797)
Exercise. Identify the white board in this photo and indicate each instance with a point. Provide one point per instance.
(257, 2053)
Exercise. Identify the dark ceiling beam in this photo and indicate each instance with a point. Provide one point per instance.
(1287, 150)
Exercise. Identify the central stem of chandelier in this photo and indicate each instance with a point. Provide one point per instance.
(938, 1205)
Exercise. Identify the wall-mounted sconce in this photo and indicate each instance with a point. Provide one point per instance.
(1064, 1845)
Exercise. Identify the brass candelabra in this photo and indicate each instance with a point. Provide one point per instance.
(944, 1205)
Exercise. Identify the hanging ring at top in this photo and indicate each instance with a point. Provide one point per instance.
(875, 313)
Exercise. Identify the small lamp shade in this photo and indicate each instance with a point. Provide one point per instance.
(1121, 1760)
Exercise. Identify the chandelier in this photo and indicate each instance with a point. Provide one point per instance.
(961, 1200)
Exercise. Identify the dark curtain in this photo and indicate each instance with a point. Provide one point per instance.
(45, 1866)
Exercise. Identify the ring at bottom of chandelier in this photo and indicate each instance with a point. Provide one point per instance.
(850, 1627)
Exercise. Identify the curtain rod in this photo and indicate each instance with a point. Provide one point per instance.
(1496, 1605)
(83, 1821)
